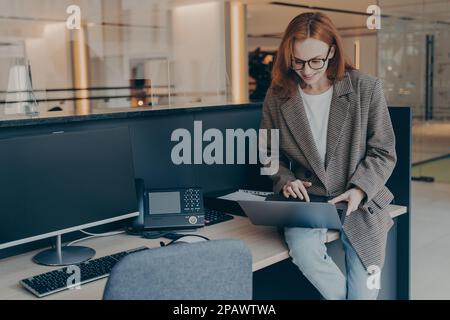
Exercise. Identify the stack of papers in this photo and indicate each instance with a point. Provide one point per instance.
(242, 195)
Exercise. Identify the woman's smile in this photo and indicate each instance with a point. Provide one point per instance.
(308, 77)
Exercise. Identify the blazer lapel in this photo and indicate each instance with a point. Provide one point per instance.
(297, 121)
(338, 114)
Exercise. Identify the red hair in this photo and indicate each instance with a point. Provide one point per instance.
(307, 25)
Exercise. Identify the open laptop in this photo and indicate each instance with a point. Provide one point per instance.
(278, 211)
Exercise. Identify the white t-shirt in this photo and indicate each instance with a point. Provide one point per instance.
(317, 107)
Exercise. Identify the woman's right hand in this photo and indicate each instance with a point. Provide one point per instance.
(296, 189)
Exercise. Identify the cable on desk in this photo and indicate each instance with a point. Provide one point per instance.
(94, 235)
(106, 234)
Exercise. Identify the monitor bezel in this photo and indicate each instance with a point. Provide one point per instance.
(67, 230)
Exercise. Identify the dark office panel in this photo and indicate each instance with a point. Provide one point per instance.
(27, 131)
(218, 177)
(400, 184)
(152, 148)
(283, 281)
(429, 76)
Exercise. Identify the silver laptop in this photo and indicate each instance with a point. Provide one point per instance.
(295, 213)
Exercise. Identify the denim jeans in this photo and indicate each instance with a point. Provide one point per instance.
(309, 252)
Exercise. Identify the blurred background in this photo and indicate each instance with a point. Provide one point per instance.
(151, 54)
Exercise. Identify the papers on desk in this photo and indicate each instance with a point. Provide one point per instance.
(242, 195)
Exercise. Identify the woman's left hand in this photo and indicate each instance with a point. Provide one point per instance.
(353, 197)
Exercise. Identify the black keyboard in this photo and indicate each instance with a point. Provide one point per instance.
(54, 281)
(312, 198)
(215, 216)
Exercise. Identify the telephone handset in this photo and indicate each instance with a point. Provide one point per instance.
(160, 209)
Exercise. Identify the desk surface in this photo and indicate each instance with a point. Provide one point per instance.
(265, 243)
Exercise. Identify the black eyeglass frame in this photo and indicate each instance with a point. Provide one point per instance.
(303, 63)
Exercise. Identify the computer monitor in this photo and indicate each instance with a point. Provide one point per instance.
(62, 182)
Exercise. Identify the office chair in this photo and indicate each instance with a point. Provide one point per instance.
(209, 270)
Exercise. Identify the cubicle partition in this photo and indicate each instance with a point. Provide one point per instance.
(151, 133)
(400, 184)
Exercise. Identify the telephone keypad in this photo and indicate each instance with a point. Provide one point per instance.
(192, 200)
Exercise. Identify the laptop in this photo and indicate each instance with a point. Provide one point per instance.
(278, 211)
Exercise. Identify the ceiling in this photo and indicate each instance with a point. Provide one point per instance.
(266, 18)
(427, 9)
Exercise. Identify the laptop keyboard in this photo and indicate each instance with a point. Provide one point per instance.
(312, 198)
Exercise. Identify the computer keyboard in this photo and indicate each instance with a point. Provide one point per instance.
(215, 216)
(54, 281)
(312, 198)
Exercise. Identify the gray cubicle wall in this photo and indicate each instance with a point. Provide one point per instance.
(151, 140)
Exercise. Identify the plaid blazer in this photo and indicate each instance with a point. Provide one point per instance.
(360, 152)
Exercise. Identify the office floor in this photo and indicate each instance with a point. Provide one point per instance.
(430, 241)
(438, 168)
(430, 218)
(430, 139)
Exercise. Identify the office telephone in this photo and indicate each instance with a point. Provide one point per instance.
(173, 209)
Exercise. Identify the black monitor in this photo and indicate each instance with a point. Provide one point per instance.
(63, 182)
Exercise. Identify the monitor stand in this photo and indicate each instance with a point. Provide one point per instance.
(63, 256)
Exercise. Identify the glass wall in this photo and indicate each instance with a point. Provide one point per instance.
(83, 56)
(414, 64)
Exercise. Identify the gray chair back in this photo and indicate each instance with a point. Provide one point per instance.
(209, 270)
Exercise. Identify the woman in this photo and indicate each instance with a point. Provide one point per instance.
(336, 140)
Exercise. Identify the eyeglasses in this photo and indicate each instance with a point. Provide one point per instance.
(315, 64)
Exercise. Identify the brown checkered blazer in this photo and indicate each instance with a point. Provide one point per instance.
(360, 152)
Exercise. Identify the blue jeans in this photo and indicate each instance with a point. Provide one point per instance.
(309, 252)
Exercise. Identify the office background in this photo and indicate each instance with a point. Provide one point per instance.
(151, 54)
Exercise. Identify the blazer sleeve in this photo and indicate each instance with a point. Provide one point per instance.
(284, 175)
(376, 167)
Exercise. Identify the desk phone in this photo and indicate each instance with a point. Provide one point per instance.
(180, 208)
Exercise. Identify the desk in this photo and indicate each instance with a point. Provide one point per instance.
(265, 243)
(151, 130)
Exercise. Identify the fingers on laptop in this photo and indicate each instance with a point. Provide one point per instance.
(299, 188)
(296, 189)
(288, 192)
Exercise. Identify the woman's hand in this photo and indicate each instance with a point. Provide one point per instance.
(353, 197)
(296, 189)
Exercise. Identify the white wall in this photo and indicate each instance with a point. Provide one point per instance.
(51, 64)
(198, 51)
(368, 52)
(49, 56)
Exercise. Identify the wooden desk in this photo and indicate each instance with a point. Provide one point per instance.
(265, 243)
